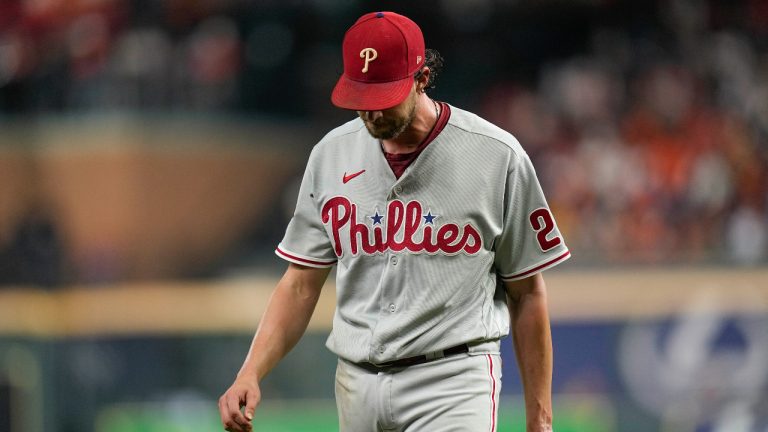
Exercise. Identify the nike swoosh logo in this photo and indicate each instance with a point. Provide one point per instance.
(347, 178)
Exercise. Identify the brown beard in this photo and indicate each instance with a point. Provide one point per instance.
(389, 128)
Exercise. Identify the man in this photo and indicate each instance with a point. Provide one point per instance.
(440, 231)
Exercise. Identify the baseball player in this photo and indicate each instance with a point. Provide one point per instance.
(439, 231)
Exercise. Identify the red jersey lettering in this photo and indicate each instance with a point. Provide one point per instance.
(406, 228)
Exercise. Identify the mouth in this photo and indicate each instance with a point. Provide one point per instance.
(375, 125)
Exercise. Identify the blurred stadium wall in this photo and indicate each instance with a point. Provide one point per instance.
(150, 153)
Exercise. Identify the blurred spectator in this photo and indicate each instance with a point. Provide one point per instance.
(212, 64)
(747, 236)
(142, 67)
(34, 254)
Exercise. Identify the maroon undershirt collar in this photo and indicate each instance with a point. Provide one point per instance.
(399, 162)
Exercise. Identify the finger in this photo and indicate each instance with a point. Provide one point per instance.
(223, 411)
(234, 414)
(233, 426)
(229, 416)
(251, 400)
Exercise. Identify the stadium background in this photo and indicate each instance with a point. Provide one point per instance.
(149, 158)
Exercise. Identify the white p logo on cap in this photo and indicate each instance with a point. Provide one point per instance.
(369, 54)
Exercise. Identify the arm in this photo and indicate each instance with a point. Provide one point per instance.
(533, 348)
(284, 322)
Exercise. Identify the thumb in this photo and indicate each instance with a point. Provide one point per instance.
(251, 399)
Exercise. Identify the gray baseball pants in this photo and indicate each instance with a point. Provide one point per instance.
(459, 393)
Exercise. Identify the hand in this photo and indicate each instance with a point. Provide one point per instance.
(244, 392)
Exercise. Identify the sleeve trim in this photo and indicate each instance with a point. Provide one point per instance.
(547, 264)
(303, 260)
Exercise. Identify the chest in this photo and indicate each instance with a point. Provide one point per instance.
(446, 202)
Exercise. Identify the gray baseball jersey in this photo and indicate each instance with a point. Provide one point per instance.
(420, 257)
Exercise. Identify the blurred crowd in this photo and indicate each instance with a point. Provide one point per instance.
(69, 55)
(647, 121)
(651, 151)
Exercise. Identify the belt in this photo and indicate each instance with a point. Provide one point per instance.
(419, 359)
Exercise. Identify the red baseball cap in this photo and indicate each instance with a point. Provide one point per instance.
(382, 52)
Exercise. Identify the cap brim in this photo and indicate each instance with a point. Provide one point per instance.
(361, 96)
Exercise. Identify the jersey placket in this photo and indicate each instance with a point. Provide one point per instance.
(387, 302)
(388, 292)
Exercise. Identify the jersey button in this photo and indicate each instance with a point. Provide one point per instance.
(398, 189)
(382, 348)
(392, 308)
(393, 260)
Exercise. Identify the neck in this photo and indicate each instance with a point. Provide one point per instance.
(417, 131)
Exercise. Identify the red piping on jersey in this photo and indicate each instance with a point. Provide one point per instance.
(304, 260)
(539, 267)
(493, 393)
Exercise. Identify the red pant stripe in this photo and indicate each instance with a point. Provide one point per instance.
(493, 393)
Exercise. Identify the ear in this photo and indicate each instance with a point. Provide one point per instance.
(423, 79)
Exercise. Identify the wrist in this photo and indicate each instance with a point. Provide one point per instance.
(248, 374)
(540, 423)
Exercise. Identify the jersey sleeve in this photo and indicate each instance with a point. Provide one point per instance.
(306, 241)
(530, 241)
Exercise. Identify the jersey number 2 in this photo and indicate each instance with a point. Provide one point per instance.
(543, 224)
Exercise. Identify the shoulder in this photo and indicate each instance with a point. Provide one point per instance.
(348, 130)
(474, 129)
(337, 139)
